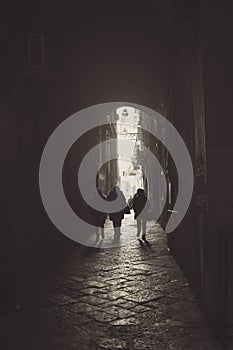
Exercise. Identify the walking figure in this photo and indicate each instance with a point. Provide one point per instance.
(117, 217)
(130, 202)
(99, 219)
(141, 206)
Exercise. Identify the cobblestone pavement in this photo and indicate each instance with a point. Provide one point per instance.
(132, 297)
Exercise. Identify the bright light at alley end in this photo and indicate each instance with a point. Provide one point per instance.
(136, 163)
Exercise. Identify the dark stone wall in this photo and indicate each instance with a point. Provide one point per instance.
(187, 242)
(8, 186)
(217, 48)
(201, 111)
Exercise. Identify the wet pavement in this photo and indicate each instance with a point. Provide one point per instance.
(131, 297)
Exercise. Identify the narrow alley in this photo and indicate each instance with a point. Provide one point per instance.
(132, 297)
(108, 107)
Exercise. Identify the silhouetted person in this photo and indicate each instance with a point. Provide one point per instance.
(141, 207)
(130, 202)
(117, 217)
(99, 219)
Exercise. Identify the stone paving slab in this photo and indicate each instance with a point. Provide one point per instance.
(133, 297)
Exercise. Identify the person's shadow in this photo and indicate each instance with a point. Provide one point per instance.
(145, 245)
